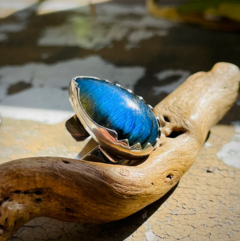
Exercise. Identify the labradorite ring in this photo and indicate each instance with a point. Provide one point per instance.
(121, 124)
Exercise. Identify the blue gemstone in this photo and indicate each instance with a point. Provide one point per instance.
(117, 109)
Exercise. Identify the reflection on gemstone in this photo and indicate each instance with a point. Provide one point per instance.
(115, 108)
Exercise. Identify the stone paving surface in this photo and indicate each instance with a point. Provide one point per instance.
(42, 48)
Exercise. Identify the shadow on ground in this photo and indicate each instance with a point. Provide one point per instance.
(46, 229)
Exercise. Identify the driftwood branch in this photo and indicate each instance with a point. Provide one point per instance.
(90, 192)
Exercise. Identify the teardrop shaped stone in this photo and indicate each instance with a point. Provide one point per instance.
(117, 109)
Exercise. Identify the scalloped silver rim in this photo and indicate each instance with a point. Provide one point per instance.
(110, 136)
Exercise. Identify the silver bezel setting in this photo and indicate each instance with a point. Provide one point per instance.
(108, 138)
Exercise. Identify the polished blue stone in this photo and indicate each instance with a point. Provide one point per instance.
(117, 109)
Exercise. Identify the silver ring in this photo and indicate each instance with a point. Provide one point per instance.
(108, 112)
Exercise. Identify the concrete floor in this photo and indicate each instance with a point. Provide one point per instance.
(42, 48)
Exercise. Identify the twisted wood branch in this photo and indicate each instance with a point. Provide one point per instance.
(90, 192)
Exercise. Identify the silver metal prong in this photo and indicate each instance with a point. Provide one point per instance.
(118, 85)
(74, 84)
(141, 98)
(137, 146)
(150, 107)
(158, 121)
(107, 81)
(149, 145)
(130, 91)
(124, 141)
(74, 78)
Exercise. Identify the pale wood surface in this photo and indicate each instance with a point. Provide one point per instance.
(97, 193)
